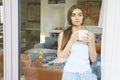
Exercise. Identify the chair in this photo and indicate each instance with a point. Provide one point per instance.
(1, 63)
(37, 73)
(25, 61)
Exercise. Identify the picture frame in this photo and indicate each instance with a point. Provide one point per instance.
(91, 10)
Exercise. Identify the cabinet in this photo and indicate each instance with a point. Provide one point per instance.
(53, 14)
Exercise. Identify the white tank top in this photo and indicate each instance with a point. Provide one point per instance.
(78, 59)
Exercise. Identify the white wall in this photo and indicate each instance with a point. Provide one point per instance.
(94, 29)
(53, 16)
(56, 17)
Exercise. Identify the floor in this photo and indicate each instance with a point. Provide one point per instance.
(1, 79)
(94, 77)
(22, 77)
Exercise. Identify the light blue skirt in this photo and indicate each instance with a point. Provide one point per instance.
(77, 76)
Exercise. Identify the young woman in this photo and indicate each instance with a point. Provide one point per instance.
(77, 51)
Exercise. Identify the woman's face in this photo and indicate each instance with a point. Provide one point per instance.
(77, 17)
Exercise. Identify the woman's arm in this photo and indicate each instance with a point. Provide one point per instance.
(92, 48)
(65, 52)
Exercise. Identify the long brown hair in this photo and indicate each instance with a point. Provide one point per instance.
(67, 33)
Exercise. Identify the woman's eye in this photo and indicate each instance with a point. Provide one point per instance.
(80, 14)
(76, 15)
(73, 15)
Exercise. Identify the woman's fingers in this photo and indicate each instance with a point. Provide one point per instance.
(85, 39)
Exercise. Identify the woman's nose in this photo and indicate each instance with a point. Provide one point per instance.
(76, 17)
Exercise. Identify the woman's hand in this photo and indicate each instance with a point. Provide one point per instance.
(90, 37)
(74, 37)
(87, 37)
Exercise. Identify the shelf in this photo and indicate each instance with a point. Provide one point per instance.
(56, 31)
(55, 1)
(56, 5)
(32, 29)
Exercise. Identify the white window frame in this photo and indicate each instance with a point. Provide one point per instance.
(10, 32)
(109, 44)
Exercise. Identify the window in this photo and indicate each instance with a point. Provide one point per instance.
(1, 14)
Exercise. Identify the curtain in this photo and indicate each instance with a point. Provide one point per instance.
(101, 17)
(111, 41)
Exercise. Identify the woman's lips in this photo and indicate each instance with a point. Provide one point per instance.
(77, 21)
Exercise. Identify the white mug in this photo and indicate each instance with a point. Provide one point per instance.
(82, 33)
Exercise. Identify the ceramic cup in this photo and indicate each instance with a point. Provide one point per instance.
(82, 33)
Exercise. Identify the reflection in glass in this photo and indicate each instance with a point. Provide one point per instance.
(41, 22)
(1, 41)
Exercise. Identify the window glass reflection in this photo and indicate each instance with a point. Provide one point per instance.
(1, 41)
(41, 23)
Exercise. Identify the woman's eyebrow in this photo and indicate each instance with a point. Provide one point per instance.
(77, 13)
(73, 13)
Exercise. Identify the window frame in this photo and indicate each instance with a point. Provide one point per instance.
(11, 39)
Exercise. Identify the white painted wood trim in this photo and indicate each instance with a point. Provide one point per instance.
(10, 27)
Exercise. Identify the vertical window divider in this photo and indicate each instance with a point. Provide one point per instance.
(10, 32)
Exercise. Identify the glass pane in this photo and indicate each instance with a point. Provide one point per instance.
(1, 41)
(29, 32)
(41, 22)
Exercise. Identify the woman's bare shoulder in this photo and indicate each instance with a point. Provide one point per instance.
(61, 34)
